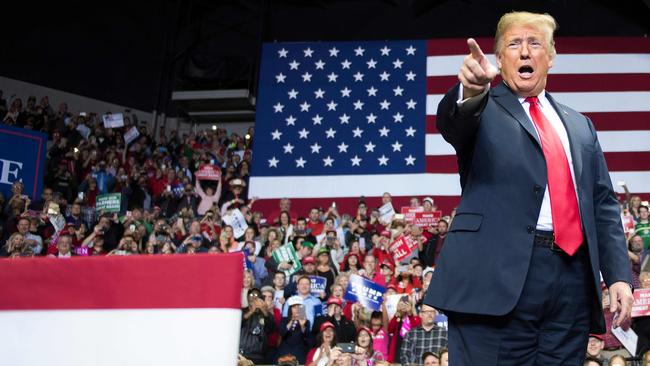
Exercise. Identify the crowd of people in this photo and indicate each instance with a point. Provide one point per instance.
(168, 208)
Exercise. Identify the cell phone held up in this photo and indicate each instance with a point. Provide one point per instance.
(302, 313)
(346, 347)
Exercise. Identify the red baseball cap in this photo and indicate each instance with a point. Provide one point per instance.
(308, 260)
(388, 264)
(334, 300)
(385, 233)
(598, 336)
(327, 325)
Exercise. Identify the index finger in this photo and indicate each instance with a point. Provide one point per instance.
(474, 49)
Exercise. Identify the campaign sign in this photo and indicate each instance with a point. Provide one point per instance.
(386, 213)
(364, 291)
(641, 305)
(108, 202)
(113, 120)
(628, 223)
(402, 247)
(426, 219)
(208, 172)
(287, 253)
(131, 135)
(238, 222)
(318, 284)
(409, 213)
(22, 158)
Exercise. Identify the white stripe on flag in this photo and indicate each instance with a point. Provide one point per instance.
(638, 181)
(598, 63)
(584, 102)
(355, 185)
(397, 185)
(610, 141)
(120, 337)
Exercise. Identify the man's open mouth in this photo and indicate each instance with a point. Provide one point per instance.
(526, 71)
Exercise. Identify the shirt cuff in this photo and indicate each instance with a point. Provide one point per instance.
(471, 103)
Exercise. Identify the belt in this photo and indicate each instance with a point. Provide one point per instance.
(546, 239)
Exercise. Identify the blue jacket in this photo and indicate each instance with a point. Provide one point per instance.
(487, 252)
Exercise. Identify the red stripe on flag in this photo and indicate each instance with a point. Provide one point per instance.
(563, 83)
(302, 206)
(597, 82)
(628, 161)
(431, 124)
(616, 162)
(563, 45)
(620, 121)
(131, 282)
(441, 164)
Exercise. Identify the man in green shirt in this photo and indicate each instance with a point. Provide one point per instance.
(642, 227)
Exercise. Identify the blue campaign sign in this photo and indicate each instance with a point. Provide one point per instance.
(318, 284)
(366, 292)
(22, 158)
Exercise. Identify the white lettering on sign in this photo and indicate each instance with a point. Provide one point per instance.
(7, 170)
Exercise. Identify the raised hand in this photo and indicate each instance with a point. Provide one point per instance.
(476, 72)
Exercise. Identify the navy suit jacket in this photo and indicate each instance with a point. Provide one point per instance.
(487, 252)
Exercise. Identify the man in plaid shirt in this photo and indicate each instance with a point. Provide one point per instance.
(428, 337)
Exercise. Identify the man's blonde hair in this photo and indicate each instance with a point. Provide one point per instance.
(543, 22)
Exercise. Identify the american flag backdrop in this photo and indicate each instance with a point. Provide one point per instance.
(339, 120)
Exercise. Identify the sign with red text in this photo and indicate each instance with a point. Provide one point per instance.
(426, 219)
(409, 213)
(208, 172)
(402, 247)
(641, 306)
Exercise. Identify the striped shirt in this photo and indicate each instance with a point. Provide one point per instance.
(418, 340)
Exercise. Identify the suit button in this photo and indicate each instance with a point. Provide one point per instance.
(537, 189)
(530, 229)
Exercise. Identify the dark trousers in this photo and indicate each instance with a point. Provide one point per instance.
(549, 325)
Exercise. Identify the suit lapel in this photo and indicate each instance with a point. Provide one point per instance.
(506, 99)
(571, 131)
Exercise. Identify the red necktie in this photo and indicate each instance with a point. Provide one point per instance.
(564, 204)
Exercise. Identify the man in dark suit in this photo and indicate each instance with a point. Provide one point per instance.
(518, 276)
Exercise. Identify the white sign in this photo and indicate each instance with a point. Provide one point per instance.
(391, 304)
(627, 338)
(386, 213)
(236, 219)
(131, 135)
(113, 120)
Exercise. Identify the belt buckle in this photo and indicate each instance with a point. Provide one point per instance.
(554, 247)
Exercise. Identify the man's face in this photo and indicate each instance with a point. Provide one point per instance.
(643, 213)
(524, 59)
(637, 243)
(278, 280)
(305, 251)
(304, 287)
(428, 315)
(309, 267)
(335, 309)
(23, 226)
(268, 299)
(431, 361)
(64, 245)
(385, 198)
(313, 215)
(301, 225)
(442, 227)
(427, 206)
(595, 346)
(369, 264)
